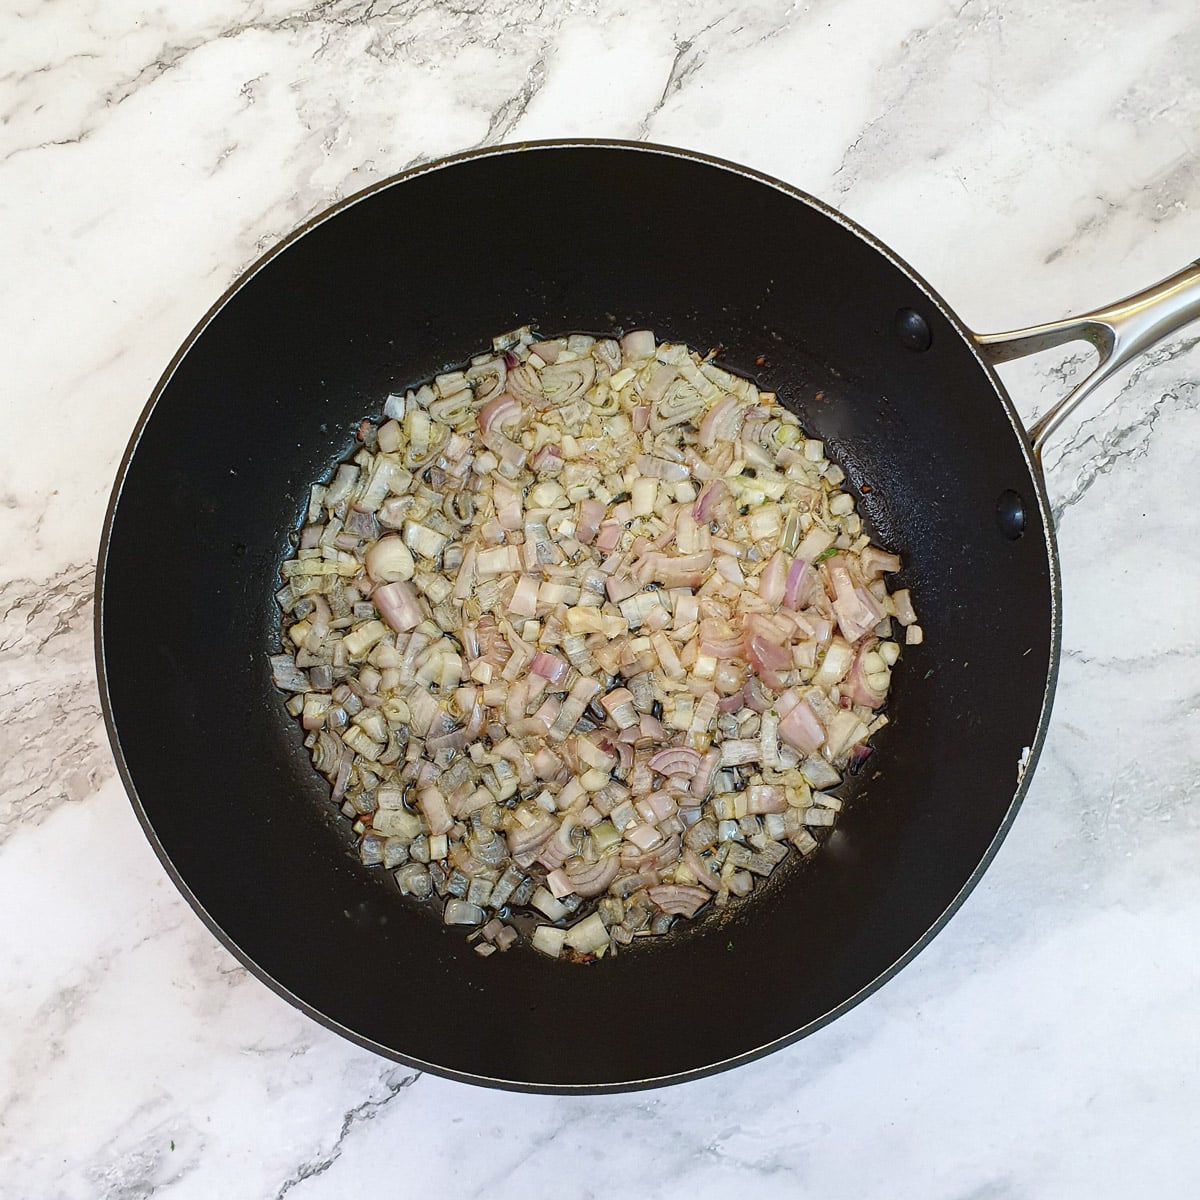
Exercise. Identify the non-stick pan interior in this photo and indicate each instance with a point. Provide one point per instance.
(419, 274)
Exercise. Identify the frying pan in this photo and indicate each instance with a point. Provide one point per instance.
(390, 287)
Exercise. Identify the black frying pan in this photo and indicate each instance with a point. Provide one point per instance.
(419, 272)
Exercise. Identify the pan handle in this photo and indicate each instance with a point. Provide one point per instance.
(1120, 333)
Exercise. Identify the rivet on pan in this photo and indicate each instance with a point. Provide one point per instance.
(912, 329)
(1010, 515)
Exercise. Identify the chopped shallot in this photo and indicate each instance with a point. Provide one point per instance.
(580, 634)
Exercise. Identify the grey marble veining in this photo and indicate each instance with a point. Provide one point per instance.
(48, 688)
(1031, 161)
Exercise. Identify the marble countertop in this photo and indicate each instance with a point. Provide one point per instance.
(1031, 160)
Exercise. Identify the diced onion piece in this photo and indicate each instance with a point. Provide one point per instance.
(815, 543)
(874, 562)
(722, 423)
(548, 940)
(645, 495)
(819, 773)
(802, 729)
(672, 668)
(795, 583)
(637, 346)
(619, 706)
(588, 937)
(422, 540)
(902, 601)
(772, 581)
(737, 752)
(661, 468)
(459, 912)
(435, 810)
(360, 639)
(549, 666)
(644, 837)
(285, 674)
(523, 602)
(398, 605)
(762, 798)
(544, 901)
(839, 656)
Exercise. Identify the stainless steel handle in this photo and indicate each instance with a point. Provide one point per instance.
(1120, 333)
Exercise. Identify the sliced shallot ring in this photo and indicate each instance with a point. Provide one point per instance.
(679, 899)
(594, 878)
(675, 760)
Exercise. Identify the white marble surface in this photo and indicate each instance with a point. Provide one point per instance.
(1031, 159)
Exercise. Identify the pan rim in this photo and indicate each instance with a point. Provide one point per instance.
(1024, 769)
